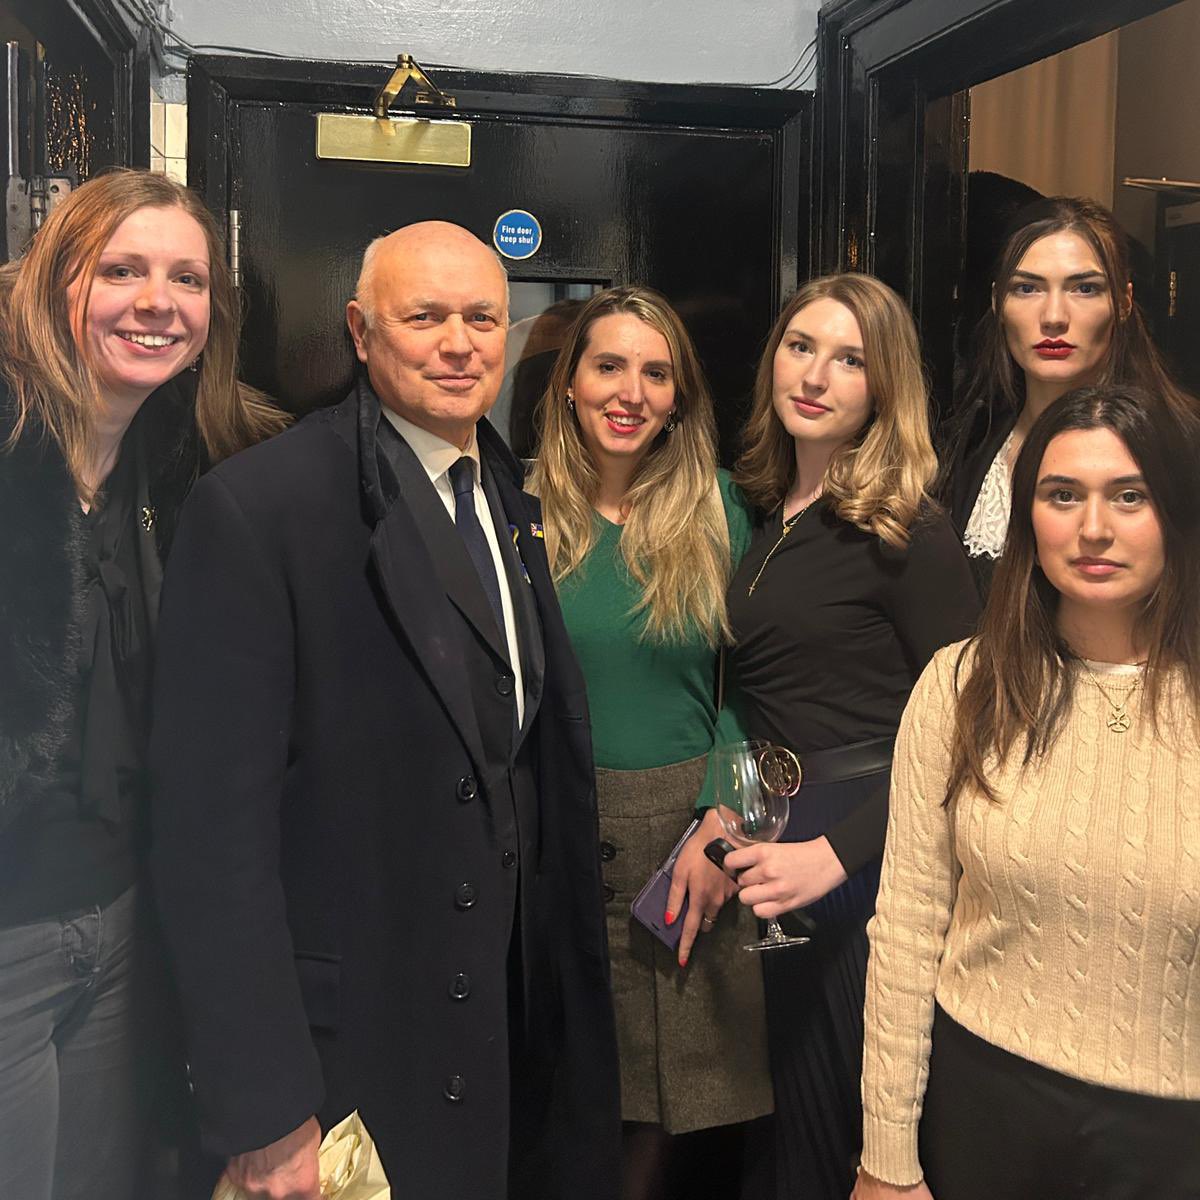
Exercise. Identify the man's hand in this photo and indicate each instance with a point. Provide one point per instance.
(782, 876)
(284, 1170)
(869, 1188)
(706, 887)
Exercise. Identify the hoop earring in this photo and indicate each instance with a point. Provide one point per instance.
(672, 422)
(570, 400)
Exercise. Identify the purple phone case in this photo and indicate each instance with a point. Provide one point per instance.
(650, 903)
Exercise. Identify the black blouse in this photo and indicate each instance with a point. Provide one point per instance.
(77, 845)
(837, 631)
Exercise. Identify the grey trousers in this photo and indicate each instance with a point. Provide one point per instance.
(71, 1125)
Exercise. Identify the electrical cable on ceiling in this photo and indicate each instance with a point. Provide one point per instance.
(799, 69)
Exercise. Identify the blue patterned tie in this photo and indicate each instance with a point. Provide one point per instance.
(462, 480)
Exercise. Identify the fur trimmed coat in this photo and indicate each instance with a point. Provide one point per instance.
(42, 585)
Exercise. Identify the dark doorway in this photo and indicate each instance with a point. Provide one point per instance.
(1112, 119)
(76, 100)
(892, 133)
(699, 192)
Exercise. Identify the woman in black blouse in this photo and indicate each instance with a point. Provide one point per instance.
(123, 289)
(854, 580)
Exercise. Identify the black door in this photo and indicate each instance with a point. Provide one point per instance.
(697, 192)
(76, 100)
(1179, 252)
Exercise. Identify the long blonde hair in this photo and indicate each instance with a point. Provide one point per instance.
(880, 481)
(675, 541)
(52, 381)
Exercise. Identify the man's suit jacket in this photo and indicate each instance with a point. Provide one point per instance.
(343, 811)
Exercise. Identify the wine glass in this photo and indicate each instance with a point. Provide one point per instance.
(753, 783)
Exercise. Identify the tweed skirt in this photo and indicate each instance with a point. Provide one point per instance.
(692, 1041)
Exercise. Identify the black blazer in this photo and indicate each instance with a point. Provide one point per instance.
(971, 456)
(335, 850)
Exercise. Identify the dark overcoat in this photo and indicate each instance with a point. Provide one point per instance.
(333, 845)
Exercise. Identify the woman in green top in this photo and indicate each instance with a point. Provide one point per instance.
(643, 532)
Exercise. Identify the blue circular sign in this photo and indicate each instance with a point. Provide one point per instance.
(517, 234)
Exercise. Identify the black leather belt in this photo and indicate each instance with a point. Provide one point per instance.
(847, 762)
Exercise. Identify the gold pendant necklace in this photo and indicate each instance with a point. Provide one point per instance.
(788, 525)
(1118, 720)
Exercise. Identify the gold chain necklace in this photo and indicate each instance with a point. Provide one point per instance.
(1118, 720)
(788, 525)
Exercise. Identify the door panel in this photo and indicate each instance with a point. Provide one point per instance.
(695, 212)
(82, 100)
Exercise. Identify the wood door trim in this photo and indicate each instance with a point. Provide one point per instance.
(581, 98)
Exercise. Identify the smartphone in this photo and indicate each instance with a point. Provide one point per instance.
(649, 905)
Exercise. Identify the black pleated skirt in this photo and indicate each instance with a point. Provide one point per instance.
(814, 998)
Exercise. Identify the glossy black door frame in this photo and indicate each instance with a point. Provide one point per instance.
(215, 83)
(130, 58)
(890, 130)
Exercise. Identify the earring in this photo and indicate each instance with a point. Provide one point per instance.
(570, 400)
(672, 422)
(194, 365)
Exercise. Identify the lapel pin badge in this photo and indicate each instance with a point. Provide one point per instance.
(537, 530)
(515, 532)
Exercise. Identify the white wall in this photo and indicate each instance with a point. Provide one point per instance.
(658, 41)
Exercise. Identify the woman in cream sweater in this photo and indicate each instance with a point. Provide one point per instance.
(1033, 996)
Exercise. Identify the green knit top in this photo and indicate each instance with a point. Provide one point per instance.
(652, 703)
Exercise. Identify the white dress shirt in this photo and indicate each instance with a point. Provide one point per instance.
(437, 457)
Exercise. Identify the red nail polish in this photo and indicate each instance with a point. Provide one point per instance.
(670, 917)
(683, 962)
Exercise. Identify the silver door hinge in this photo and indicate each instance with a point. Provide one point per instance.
(28, 204)
(235, 248)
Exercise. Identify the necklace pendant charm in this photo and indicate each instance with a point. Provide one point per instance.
(1118, 720)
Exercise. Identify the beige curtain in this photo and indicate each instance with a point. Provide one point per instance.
(1052, 124)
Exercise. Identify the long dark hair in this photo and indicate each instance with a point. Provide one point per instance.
(995, 385)
(1017, 678)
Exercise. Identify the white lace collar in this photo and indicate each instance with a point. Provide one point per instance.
(988, 524)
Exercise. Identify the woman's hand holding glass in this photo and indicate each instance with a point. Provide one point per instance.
(705, 887)
(754, 783)
(781, 876)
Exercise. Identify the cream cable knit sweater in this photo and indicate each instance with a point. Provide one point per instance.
(1060, 924)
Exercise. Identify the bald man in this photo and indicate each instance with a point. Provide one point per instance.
(375, 828)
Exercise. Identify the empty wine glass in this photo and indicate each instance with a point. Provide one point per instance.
(754, 782)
